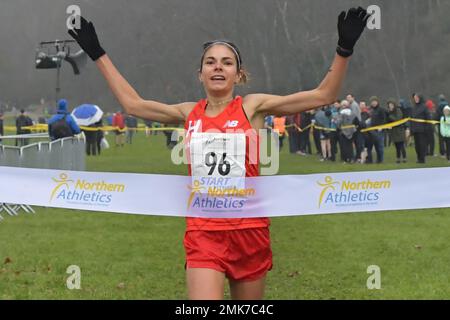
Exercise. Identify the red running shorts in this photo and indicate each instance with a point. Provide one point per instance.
(243, 255)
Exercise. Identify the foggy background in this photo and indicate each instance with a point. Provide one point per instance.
(286, 46)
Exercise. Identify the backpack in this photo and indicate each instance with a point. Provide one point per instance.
(61, 129)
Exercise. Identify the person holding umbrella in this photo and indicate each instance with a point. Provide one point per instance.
(62, 124)
(89, 115)
(238, 249)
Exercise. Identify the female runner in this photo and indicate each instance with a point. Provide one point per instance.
(237, 249)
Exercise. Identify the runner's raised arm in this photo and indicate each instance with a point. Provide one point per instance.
(130, 100)
(351, 24)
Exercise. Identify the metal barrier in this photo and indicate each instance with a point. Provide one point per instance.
(13, 209)
(65, 154)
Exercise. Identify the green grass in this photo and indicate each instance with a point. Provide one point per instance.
(142, 257)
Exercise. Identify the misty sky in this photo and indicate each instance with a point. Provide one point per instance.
(286, 45)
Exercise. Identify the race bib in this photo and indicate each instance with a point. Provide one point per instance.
(218, 154)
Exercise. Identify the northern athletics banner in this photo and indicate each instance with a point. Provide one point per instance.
(222, 197)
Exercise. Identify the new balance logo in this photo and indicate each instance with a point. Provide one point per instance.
(231, 124)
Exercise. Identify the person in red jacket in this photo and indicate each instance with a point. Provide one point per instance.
(217, 248)
(118, 122)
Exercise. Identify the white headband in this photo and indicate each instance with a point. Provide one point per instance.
(238, 57)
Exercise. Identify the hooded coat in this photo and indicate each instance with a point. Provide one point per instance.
(398, 132)
(419, 111)
(62, 111)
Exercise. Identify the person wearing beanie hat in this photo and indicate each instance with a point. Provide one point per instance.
(56, 128)
(374, 98)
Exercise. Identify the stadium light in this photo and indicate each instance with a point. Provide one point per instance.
(51, 54)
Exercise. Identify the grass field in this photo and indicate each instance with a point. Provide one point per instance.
(141, 257)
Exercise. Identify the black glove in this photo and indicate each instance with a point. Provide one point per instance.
(87, 39)
(350, 27)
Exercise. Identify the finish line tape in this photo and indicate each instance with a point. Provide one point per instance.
(213, 197)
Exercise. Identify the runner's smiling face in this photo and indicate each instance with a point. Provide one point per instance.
(219, 71)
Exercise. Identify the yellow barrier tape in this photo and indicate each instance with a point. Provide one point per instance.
(398, 123)
(380, 127)
(323, 128)
(44, 127)
(111, 128)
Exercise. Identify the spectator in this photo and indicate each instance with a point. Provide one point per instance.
(347, 122)
(334, 137)
(1, 125)
(131, 124)
(358, 138)
(445, 129)
(315, 134)
(376, 137)
(119, 122)
(293, 121)
(23, 121)
(405, 107)
(439, 113)
(365, 120)
(305, 143)
(323, 119)
(430, 128)
(91, 134)
(148, 127)
(42, 121)
(171, 135)
(279, 126)
(268, 123)
(62, 124)
(100, 135)
(398, 132)
(354, 106)
(418, 129)
(109, 119)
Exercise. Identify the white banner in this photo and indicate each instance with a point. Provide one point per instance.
(218, 197)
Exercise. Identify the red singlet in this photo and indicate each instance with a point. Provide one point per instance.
(233, 118)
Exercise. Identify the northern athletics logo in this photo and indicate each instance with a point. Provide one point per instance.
(62, 181)
(82, 191)
(328, 185)
(351, 193)
(218, 194)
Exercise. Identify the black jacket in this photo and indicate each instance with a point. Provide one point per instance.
(378, 116)
(419, 111)
(23, 121)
